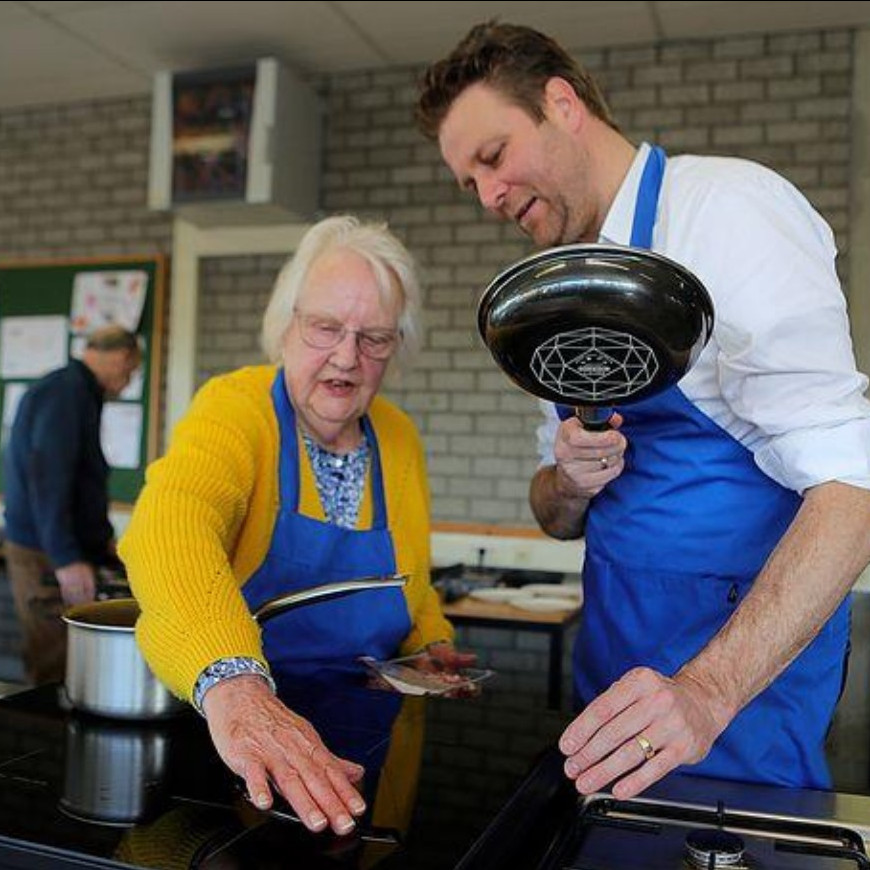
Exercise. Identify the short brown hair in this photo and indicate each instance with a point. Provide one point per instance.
(517, 61)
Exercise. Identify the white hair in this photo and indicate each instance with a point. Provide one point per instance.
(389, 259)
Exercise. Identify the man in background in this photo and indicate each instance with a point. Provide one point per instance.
(56, 494)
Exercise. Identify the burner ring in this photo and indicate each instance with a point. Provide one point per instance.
(722, 848)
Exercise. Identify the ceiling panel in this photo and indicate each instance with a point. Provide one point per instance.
(309, 36)
(419, 32)
(13, 13)
(69, 88)
(693, 18)
(37, 59)
(54, 51)
(54, 6)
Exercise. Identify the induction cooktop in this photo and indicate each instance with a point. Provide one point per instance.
(80, 790)
(83, 791)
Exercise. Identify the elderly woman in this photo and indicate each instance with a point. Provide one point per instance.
(284, 478)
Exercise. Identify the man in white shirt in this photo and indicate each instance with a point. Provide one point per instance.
(726, 518)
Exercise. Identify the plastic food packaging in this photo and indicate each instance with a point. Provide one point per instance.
(423, 674)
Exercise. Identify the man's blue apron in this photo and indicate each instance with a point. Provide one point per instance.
(307, 552)
(672, 547)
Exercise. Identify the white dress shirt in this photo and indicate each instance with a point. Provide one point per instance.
(778, 373)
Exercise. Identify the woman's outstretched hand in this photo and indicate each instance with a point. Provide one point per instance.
(271, 747)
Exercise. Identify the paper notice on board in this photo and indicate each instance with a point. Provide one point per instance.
(121, 434)
(12, 394)
(103, 298)
(133, 391)
(32, 346)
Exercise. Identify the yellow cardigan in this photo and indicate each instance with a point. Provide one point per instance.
(203, 523)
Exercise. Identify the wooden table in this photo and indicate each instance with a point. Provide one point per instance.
(489, 614)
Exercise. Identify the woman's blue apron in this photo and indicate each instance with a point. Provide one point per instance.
(307, 552)
(672, 547)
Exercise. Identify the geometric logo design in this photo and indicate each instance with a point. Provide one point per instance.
(594, 364)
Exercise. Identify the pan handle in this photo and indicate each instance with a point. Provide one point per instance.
(594, 419)
(326, 592)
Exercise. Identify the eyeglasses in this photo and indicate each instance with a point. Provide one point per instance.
(322, 332)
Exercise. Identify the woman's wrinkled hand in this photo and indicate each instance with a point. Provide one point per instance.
(269, 746)
(449, 658)
(443, 658)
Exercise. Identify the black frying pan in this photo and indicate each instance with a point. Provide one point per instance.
(594, 326)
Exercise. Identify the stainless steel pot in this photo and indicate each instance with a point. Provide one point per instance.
(106, 673)
(114, 772)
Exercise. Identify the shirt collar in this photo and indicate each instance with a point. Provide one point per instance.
(617, 225)
(89, 378)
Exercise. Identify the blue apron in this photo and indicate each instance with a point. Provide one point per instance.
(672, 547)
(307, 552)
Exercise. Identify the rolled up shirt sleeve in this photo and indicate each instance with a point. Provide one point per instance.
(779, 374)
(546, 433)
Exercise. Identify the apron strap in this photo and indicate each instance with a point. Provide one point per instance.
(379, 501)
(645, 210)
(647, 199)
(288, 476)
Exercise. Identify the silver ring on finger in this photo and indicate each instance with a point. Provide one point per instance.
(605, 462)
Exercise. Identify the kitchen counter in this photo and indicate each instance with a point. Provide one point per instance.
(457, 584)
(81, 791)
(491, 614)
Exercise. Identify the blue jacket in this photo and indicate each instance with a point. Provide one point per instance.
(55, 475)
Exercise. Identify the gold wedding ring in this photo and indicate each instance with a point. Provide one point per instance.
(646, 747)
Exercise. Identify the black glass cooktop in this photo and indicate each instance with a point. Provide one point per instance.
(82, 791)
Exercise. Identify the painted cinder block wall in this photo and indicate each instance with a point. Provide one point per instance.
(73, 182)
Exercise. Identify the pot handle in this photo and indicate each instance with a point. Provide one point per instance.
(326, 592)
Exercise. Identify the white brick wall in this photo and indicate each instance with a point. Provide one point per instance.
(781, 99)
(73, 182)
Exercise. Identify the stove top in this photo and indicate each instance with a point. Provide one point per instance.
(660, 835)
(82, 791)
(682, 823)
